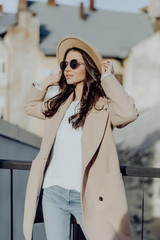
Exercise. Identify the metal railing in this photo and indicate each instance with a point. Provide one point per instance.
(125, 170)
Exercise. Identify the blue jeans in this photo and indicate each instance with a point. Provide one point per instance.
(58, 204)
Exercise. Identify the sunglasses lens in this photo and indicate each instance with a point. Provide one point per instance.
(74, 63)
(63, 65)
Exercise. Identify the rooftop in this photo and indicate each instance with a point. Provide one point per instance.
(112, 33)
(14, 132)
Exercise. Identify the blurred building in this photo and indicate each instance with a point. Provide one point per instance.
(30, 47)
(15, 144)
(142, 73)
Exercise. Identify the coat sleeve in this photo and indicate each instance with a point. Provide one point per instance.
(35, 103)
(121, 106)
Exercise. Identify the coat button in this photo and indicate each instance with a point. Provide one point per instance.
(100, 198)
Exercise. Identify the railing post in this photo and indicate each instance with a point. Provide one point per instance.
(142, 207)
(74, 230)
(11, 202)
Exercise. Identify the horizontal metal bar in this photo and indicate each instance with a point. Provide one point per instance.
(11, 202)
(14, 164)
(125, 170)
(140, 171)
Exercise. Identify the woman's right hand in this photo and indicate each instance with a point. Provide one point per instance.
(49, 81)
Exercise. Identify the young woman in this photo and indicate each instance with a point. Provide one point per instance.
(77, 165)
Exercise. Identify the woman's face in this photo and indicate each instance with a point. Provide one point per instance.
(75, 76)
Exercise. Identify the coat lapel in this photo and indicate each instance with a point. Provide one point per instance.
(93, 131)
(52, 125)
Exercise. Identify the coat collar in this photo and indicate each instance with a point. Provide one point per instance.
(93, 131)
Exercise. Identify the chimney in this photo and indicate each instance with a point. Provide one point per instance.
(91, 6)
(22, 5)
(51, 3)
(82, 11)
(157, 24)
(1, 9)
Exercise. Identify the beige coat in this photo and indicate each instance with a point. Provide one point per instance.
(104, 205)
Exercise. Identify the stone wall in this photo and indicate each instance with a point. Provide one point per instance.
(25, 64)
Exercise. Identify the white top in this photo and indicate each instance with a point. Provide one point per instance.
(65, 166)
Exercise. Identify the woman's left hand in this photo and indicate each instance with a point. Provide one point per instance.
(107, 67)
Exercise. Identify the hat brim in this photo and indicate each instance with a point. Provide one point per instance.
(72, 41)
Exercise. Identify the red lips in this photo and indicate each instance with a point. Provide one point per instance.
(69, 75)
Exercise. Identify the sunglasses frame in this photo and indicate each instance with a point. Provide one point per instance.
(70, 64)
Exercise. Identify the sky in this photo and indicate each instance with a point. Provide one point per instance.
(133, 6)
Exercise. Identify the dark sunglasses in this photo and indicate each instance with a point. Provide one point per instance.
(73, 64)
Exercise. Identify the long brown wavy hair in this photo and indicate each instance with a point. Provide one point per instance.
(92, 91)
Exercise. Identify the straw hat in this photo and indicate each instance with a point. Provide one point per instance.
(73, 41)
